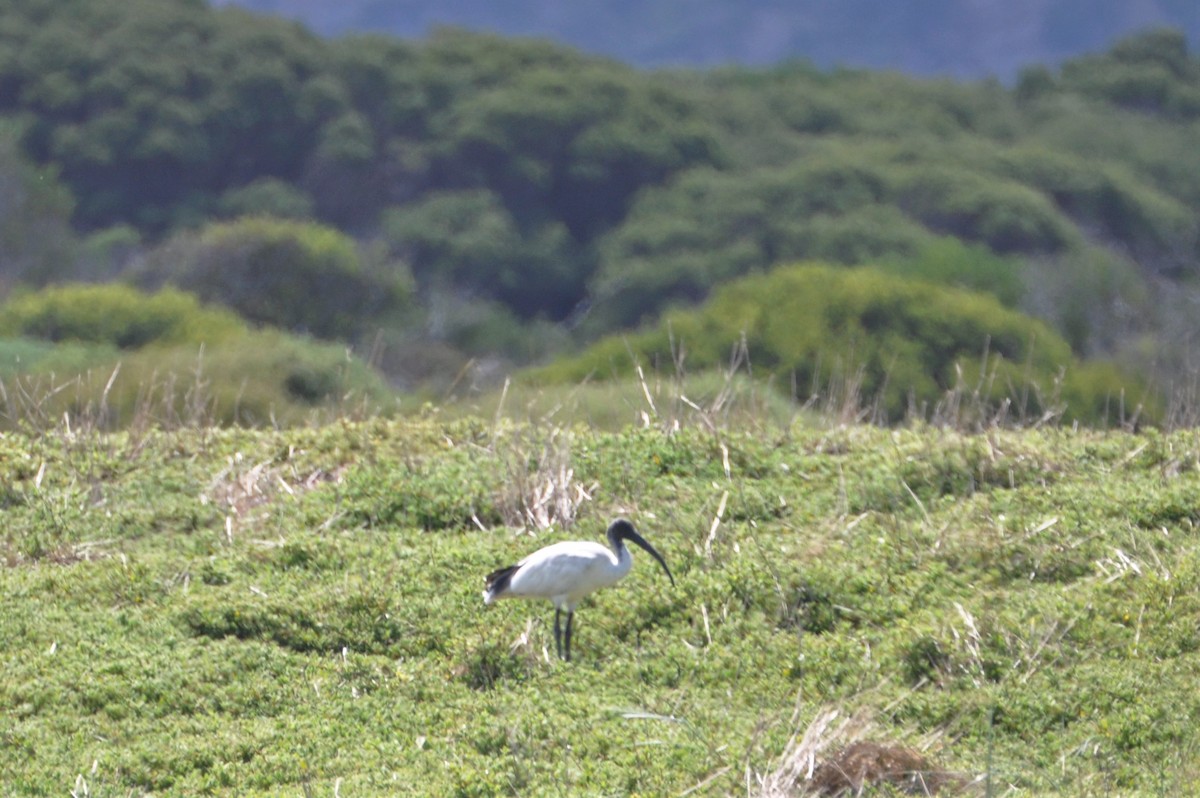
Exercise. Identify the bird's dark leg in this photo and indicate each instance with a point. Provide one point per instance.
(570, 621)
(558, 632)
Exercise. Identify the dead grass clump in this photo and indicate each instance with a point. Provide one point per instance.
(11, 555)
(540, 489)
(864, 764)
(833, 757)
(242, 490)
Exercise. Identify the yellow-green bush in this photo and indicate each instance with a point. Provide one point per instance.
(902, 341)
(116, 315)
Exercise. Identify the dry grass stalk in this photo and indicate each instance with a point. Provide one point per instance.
(240, 489)
(716, 524)
(799, 760)
(546, 493)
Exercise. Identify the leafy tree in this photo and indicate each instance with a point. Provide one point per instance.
(1095, 298)
(148, 103)
(682, 240)
(1149, 72)
(1108, 200)
(1008, 217)
(294, 275)
(1034, 82)
(469, 240)
(526, 183)
(36, 240)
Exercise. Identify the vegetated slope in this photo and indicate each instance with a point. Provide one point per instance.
(979, 40)
(536, 198)
(271, 612)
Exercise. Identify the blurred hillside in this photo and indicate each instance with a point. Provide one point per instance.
(977, 39)
(456, 208)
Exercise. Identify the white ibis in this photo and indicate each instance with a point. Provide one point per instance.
(567, 572)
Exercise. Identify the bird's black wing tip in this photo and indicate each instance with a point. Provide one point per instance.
(497, 581)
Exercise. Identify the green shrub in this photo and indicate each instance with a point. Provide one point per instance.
(861, 235)
(1096, 298)
(1100, 391)
(298, 276)
(1148, 72)
(37, 243)
(116, 315)
(682, 240)
(25, 355)
(903, 342)
(259, 378)
(262, 378)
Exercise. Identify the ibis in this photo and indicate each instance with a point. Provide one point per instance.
(567, 572)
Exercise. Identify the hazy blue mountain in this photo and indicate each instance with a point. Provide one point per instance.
(963, 38)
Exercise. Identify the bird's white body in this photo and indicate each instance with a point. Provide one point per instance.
(565, 573)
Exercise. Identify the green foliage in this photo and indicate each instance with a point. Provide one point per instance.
(228, 612)
(708, 227)
(136, 100)
(487, 328)
(20, 356)
(36, 241)
(415, 495)
(1008, 217)
(582, 139)
(1149, 72)
(1034, 82)
(258, 379)
(295, 275)
(105, 253)
(902, 343)
(948, 261)
(1079, 293)
(266, 196)
(1121, 207)
(1103, 391)
(568, 189)
(209, 369)
(469, 240)
(116, 315)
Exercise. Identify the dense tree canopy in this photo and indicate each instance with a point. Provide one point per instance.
(36, 240)
(545, 186)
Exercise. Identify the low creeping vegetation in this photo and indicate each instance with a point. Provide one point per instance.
(857, 611)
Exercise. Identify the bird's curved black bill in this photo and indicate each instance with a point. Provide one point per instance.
(633, 537)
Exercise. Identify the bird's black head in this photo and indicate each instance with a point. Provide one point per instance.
(621, 530)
